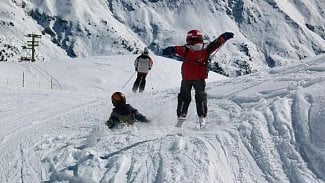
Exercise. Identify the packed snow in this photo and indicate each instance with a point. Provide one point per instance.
(264, 127)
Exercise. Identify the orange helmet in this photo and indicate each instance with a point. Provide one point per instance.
(118, 99)
(194, 37)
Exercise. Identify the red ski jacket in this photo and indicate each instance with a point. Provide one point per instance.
(195, 63)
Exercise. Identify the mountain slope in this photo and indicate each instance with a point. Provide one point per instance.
(267, 33)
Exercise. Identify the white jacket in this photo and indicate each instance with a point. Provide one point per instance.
(143, 63)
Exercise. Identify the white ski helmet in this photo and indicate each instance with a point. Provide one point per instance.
(146, 51)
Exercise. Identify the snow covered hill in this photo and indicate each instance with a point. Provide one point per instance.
(267, 33)
(264, 127)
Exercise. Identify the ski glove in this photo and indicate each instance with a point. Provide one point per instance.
(227, 35)
(169, 50)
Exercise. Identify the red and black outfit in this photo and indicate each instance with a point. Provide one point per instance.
(194, 72)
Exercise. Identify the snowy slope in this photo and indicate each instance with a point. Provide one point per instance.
(267, 33)
(264, 127)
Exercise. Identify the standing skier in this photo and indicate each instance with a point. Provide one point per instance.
(123, 113)
(195, 56)
(142, 64)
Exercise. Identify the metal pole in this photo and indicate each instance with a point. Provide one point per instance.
(33, 48)
(129, 80)
(150, 82)
(23, 79)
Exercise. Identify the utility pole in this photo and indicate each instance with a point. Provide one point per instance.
(31, 46)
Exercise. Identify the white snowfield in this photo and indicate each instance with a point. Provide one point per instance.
(264, 127)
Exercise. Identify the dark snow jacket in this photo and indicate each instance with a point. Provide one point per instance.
(125, 114)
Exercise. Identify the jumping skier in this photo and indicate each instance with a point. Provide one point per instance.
(195, 56)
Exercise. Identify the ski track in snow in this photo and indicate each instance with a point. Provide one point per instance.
(18, 136)
(261, 128)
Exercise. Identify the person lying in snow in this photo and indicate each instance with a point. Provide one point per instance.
(123, 113)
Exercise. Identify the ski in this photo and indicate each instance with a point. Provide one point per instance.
(179, 123)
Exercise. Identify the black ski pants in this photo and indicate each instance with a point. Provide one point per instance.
(184, 97)
(140, 82)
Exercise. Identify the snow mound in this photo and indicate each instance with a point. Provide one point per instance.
(264, 127)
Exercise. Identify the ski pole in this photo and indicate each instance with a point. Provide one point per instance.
(150, 82)
(129, 80)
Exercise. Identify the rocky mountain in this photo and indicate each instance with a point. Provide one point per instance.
(268, 33)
